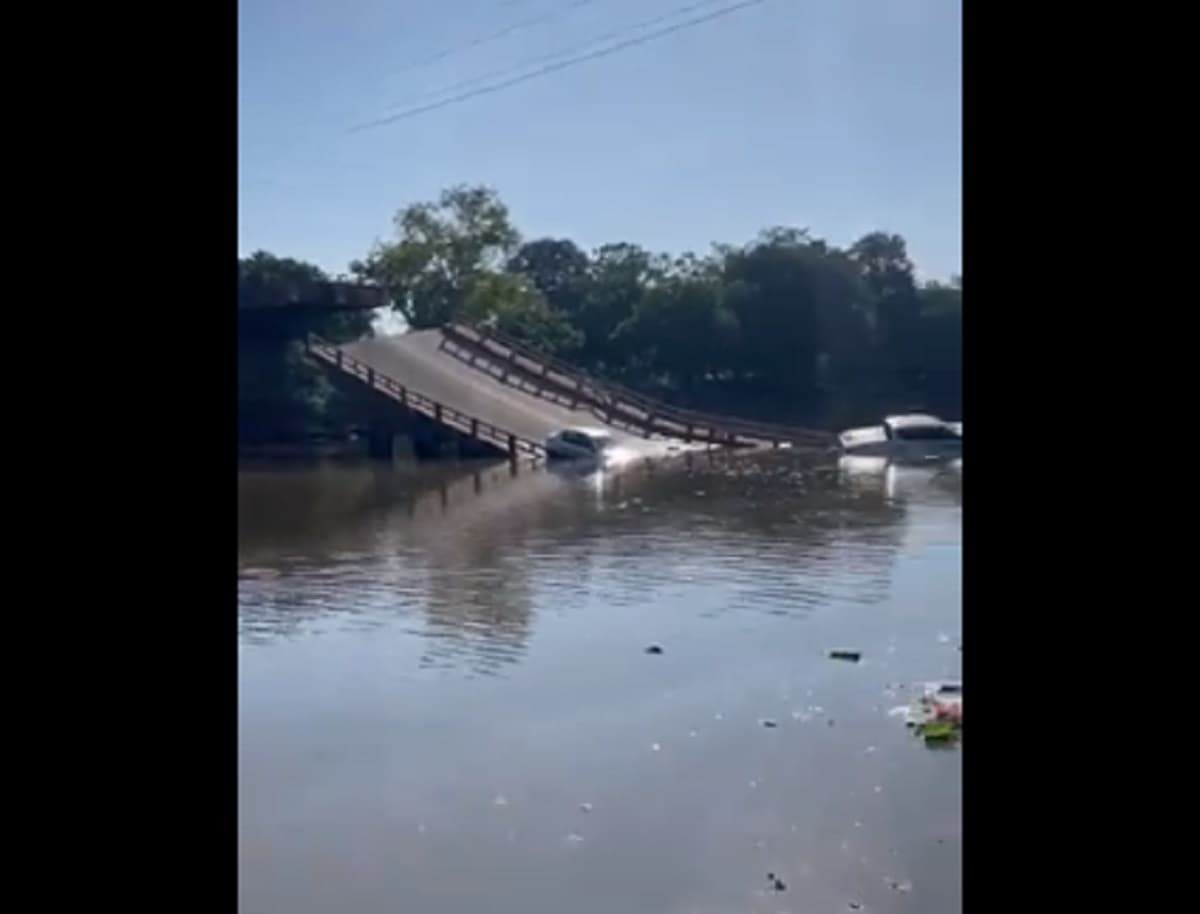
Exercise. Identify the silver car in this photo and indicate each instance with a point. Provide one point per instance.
(579, 443)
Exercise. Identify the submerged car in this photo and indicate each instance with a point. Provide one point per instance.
(579, 444)
(914, 436)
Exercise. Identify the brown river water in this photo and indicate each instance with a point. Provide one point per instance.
(446, 703)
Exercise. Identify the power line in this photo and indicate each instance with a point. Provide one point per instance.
(555, 67)
(518, 26)
(555, 55)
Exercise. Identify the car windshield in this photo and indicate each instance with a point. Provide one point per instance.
(578, 439)
(925, 433)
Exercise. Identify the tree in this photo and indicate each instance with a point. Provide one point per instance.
(280, 394)
(440, 251)
(557, 268)
(681, 329)
(513, 305)
(616, 280)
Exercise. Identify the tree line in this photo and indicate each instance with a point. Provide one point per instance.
(786, 327)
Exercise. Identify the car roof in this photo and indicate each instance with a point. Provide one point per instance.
(591, 431)
(912, 420)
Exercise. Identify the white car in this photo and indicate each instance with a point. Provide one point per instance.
(579, 444)
(915, 436)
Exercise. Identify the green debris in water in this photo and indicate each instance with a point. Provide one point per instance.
(938, 731)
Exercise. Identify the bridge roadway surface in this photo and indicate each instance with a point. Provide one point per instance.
(416, 360)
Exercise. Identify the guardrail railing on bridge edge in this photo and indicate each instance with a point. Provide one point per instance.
(514, 445)
(613, 398)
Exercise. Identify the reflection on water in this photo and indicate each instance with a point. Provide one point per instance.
(464, 558)
(440, 668)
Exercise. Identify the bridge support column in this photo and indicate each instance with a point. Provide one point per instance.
(385, 443)
(381, 444)
(512, 448)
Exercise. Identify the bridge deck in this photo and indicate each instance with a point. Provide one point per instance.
(500, 391)
(417, 361)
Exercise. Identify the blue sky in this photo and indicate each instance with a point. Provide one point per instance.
(840, 115)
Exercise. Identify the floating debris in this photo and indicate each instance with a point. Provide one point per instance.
(776, 884)
(718, 716)
(574, 838)
(585, 807)
(655, 747)
(870, 750)
(693, 732)
(753, 784)
(654, 649)
(937, 715)
(899, 885)
(501, 800)
(854, 905)
(943, 638)
(768, 723)
(938, 731)
(852, 656)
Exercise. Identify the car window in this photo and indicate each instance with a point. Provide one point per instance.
(577, 439)
(925, 433)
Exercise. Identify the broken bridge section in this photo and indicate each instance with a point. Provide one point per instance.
(495, 390)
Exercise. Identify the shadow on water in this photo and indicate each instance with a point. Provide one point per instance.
(464, 554)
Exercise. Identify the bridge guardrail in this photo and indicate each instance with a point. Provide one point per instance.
(614, 397)
(469, 425)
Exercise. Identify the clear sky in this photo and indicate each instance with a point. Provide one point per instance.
(840, 115)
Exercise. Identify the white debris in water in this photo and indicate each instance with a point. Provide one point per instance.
(898, 885)
(753, 784)
(421, 828)
(655, 747)
(501, 800)
(693, 732)
(878, 789)
(574, 838)
(801, 716)
(943, 638)
(585, 807)
(718, 716)
(870, 749)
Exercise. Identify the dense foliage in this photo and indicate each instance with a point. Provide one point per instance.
(281, 396)
(787, 326)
